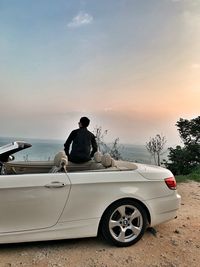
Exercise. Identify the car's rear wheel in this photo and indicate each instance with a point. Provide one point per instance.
(124, 223)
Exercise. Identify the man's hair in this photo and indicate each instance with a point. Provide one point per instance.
(84, 121)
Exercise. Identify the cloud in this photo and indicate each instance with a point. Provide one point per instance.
(81, 19)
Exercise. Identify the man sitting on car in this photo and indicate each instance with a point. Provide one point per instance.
(83, 143)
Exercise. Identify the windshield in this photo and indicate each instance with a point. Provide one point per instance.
(7, 150)
(8, 147)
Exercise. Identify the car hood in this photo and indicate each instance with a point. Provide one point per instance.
(9, 149)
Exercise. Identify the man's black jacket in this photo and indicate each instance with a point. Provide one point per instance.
(82, 142)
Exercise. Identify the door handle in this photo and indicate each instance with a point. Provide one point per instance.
(55, 185)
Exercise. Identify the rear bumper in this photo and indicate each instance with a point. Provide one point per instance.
(164, 209)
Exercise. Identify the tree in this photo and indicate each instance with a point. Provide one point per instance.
(182, 160)
(112, 149)
(155, 147)
(100, 134)
(189, 130)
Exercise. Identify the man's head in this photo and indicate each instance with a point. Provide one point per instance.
(84, 122)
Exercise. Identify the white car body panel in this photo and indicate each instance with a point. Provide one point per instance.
(106, 188)
(6, 148)
(47, 206)
(39, 213)
(27, 204)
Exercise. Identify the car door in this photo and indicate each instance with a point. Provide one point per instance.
(32, 201)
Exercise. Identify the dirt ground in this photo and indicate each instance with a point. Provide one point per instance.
(176, 243)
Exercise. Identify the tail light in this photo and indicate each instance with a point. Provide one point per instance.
(171, 183)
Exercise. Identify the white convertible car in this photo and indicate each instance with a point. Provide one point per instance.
(59, 200)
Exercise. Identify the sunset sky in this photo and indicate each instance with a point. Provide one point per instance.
(131, 66)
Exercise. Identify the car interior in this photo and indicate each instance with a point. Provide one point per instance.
(61, 164)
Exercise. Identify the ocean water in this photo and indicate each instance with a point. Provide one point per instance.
(46, 150)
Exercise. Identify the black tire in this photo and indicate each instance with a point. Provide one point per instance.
(124, 223)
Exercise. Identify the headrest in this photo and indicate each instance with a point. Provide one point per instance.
(63, 162)
(107, 161)
(60, 159)
(97, 156)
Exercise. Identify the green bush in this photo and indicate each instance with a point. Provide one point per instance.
(195, 176)
(184, 160)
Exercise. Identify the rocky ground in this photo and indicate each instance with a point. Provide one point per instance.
(176, 243)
